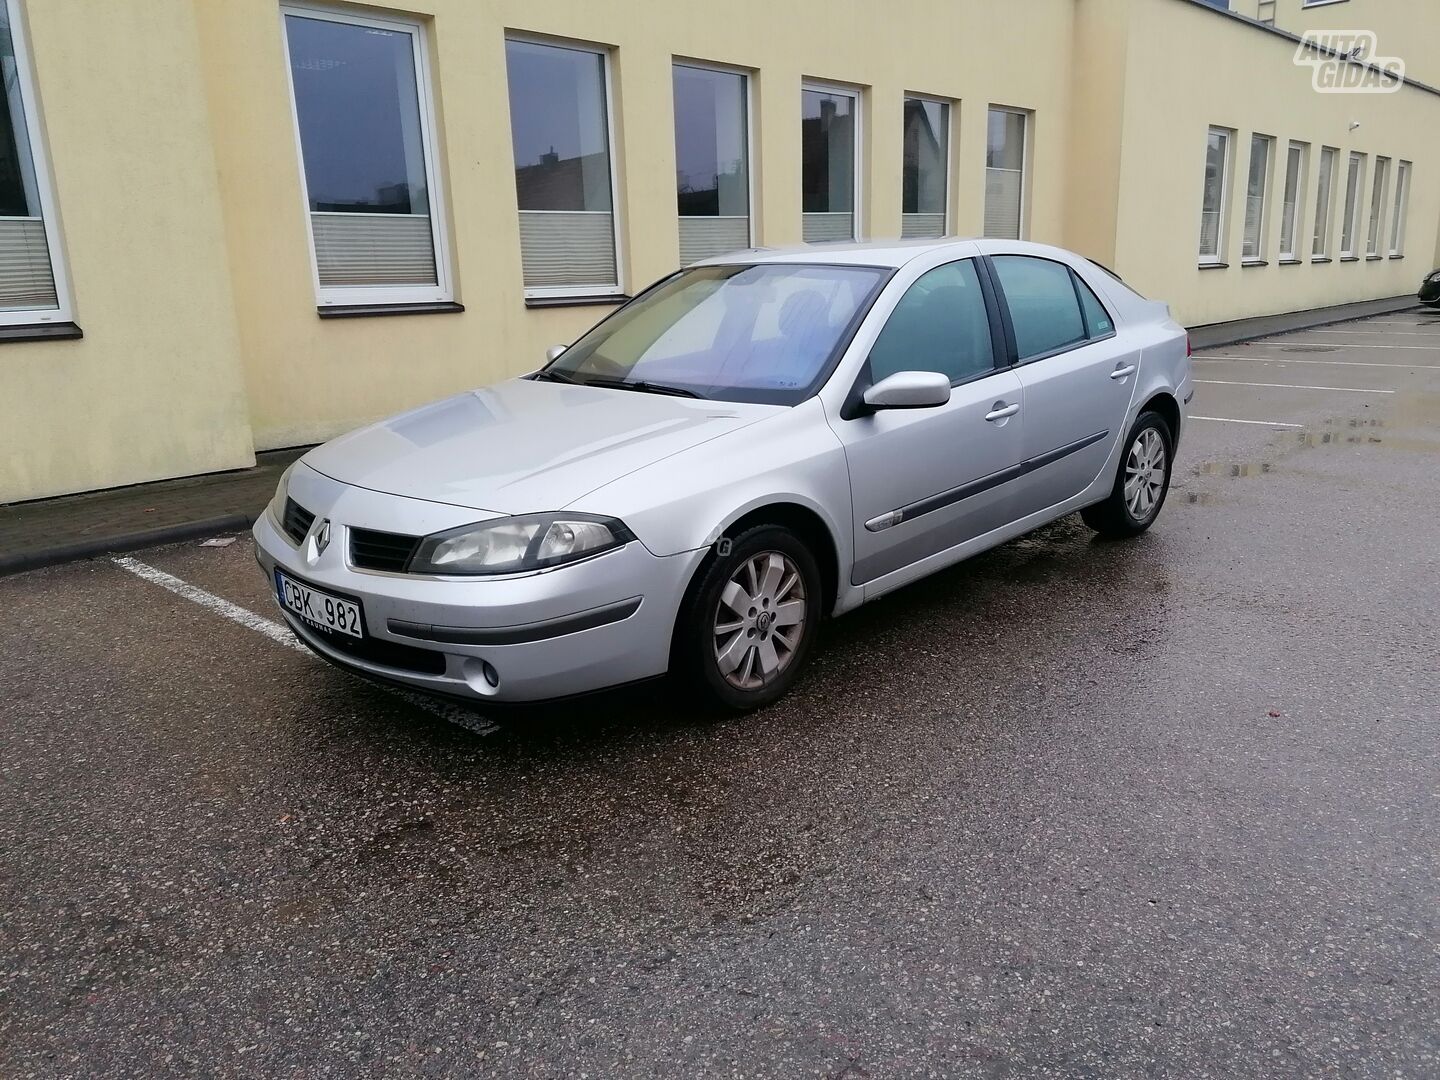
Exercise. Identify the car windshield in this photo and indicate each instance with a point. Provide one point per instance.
(765, 333)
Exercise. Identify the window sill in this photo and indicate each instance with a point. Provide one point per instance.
(1321, 259)
(63, 331)
(1349, 258)
(362, 311)
(1295, 262)
(576, 301)
(1373, 258)
(1396, 256)
(1254, 262)
(1214, 266)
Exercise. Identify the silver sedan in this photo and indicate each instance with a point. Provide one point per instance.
(751, 445)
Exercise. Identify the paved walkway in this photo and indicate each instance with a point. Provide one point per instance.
(72, 527)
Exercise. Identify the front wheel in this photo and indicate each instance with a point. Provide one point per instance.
(750, 622)
(1141, 482)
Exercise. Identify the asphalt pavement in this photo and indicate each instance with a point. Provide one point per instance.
(1168, 807)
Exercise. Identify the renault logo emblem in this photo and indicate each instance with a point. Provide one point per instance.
(322, 536)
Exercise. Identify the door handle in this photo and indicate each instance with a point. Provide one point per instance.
(1123, 372)
(1001, 411)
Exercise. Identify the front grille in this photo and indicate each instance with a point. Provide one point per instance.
(384, 653)
(372, 550)
(297, 520)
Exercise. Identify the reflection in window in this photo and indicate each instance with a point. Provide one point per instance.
(1043, 307)
(560, 132)
(364, 143)
(28, 290)
(712, 169)
(923, 169)
(1005, 174)
(827, 164)
(1402, 209)
(1295, 161)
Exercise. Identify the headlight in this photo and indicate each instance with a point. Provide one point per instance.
(511, 545)
(1434, 276)
(276, 509)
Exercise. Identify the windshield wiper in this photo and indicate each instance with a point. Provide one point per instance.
(643, 386)
(551, 375)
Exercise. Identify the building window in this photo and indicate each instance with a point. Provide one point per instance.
(363, 117)
(1402, 209)
(1375, 236)
(32, 288)
(712, 161)
(1215, 198)
(1350, 224)
(564, 173)
(829, 177)
(1320, 248)
(1005, 157)
(924, 180)
(1296, 160)
(1257, 190)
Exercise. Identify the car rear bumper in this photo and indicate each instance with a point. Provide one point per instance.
(569, 630)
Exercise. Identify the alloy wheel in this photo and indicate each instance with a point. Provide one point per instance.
(760, 620)
(1144, 473)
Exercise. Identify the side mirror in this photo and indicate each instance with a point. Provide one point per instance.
(553, 353)
(909, 390)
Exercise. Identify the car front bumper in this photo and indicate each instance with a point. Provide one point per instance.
(573, 629)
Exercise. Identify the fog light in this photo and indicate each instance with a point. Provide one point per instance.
(480, 675)
(492, 676)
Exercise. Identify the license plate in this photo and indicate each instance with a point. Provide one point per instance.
(319, 608)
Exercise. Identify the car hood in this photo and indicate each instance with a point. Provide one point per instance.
(523, 446)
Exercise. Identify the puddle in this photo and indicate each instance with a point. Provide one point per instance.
(1230, 468)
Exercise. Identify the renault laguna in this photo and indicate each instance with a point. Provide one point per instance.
(751, 445)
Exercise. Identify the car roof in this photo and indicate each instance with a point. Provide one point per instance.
(890, 253)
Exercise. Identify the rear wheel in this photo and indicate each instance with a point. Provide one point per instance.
(1141, 483)
(750, 622)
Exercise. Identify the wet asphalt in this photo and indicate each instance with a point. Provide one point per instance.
(1161, 808)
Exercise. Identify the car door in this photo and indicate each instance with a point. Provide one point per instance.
(1076, 371)
(923, 480)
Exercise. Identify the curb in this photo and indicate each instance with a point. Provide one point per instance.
(1218, 335)
(112, 545)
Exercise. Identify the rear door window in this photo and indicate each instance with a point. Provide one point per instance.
(1044, 309)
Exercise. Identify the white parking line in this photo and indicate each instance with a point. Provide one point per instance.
(1332, 345)
(281, 635)
(1387, 333)
(1258, 423)
(1333, 363)
(1293, 386)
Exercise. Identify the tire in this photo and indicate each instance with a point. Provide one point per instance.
(1125, 514)
(725, 638)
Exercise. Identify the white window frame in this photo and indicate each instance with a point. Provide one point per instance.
(1266, 186)
(1375, 222)
(1028, 115)
(950, 111)
(63, 312)
(1401, 212)
(1333, 153)
(856, 94)
(378, 295)
(607, 67)
(1227, 178)
(1355, 221)
(1297, 217)
(748, 75)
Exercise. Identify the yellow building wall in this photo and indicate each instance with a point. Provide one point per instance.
(154, 388)
(1172, 97)
(310, 378)
(1409, 29)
